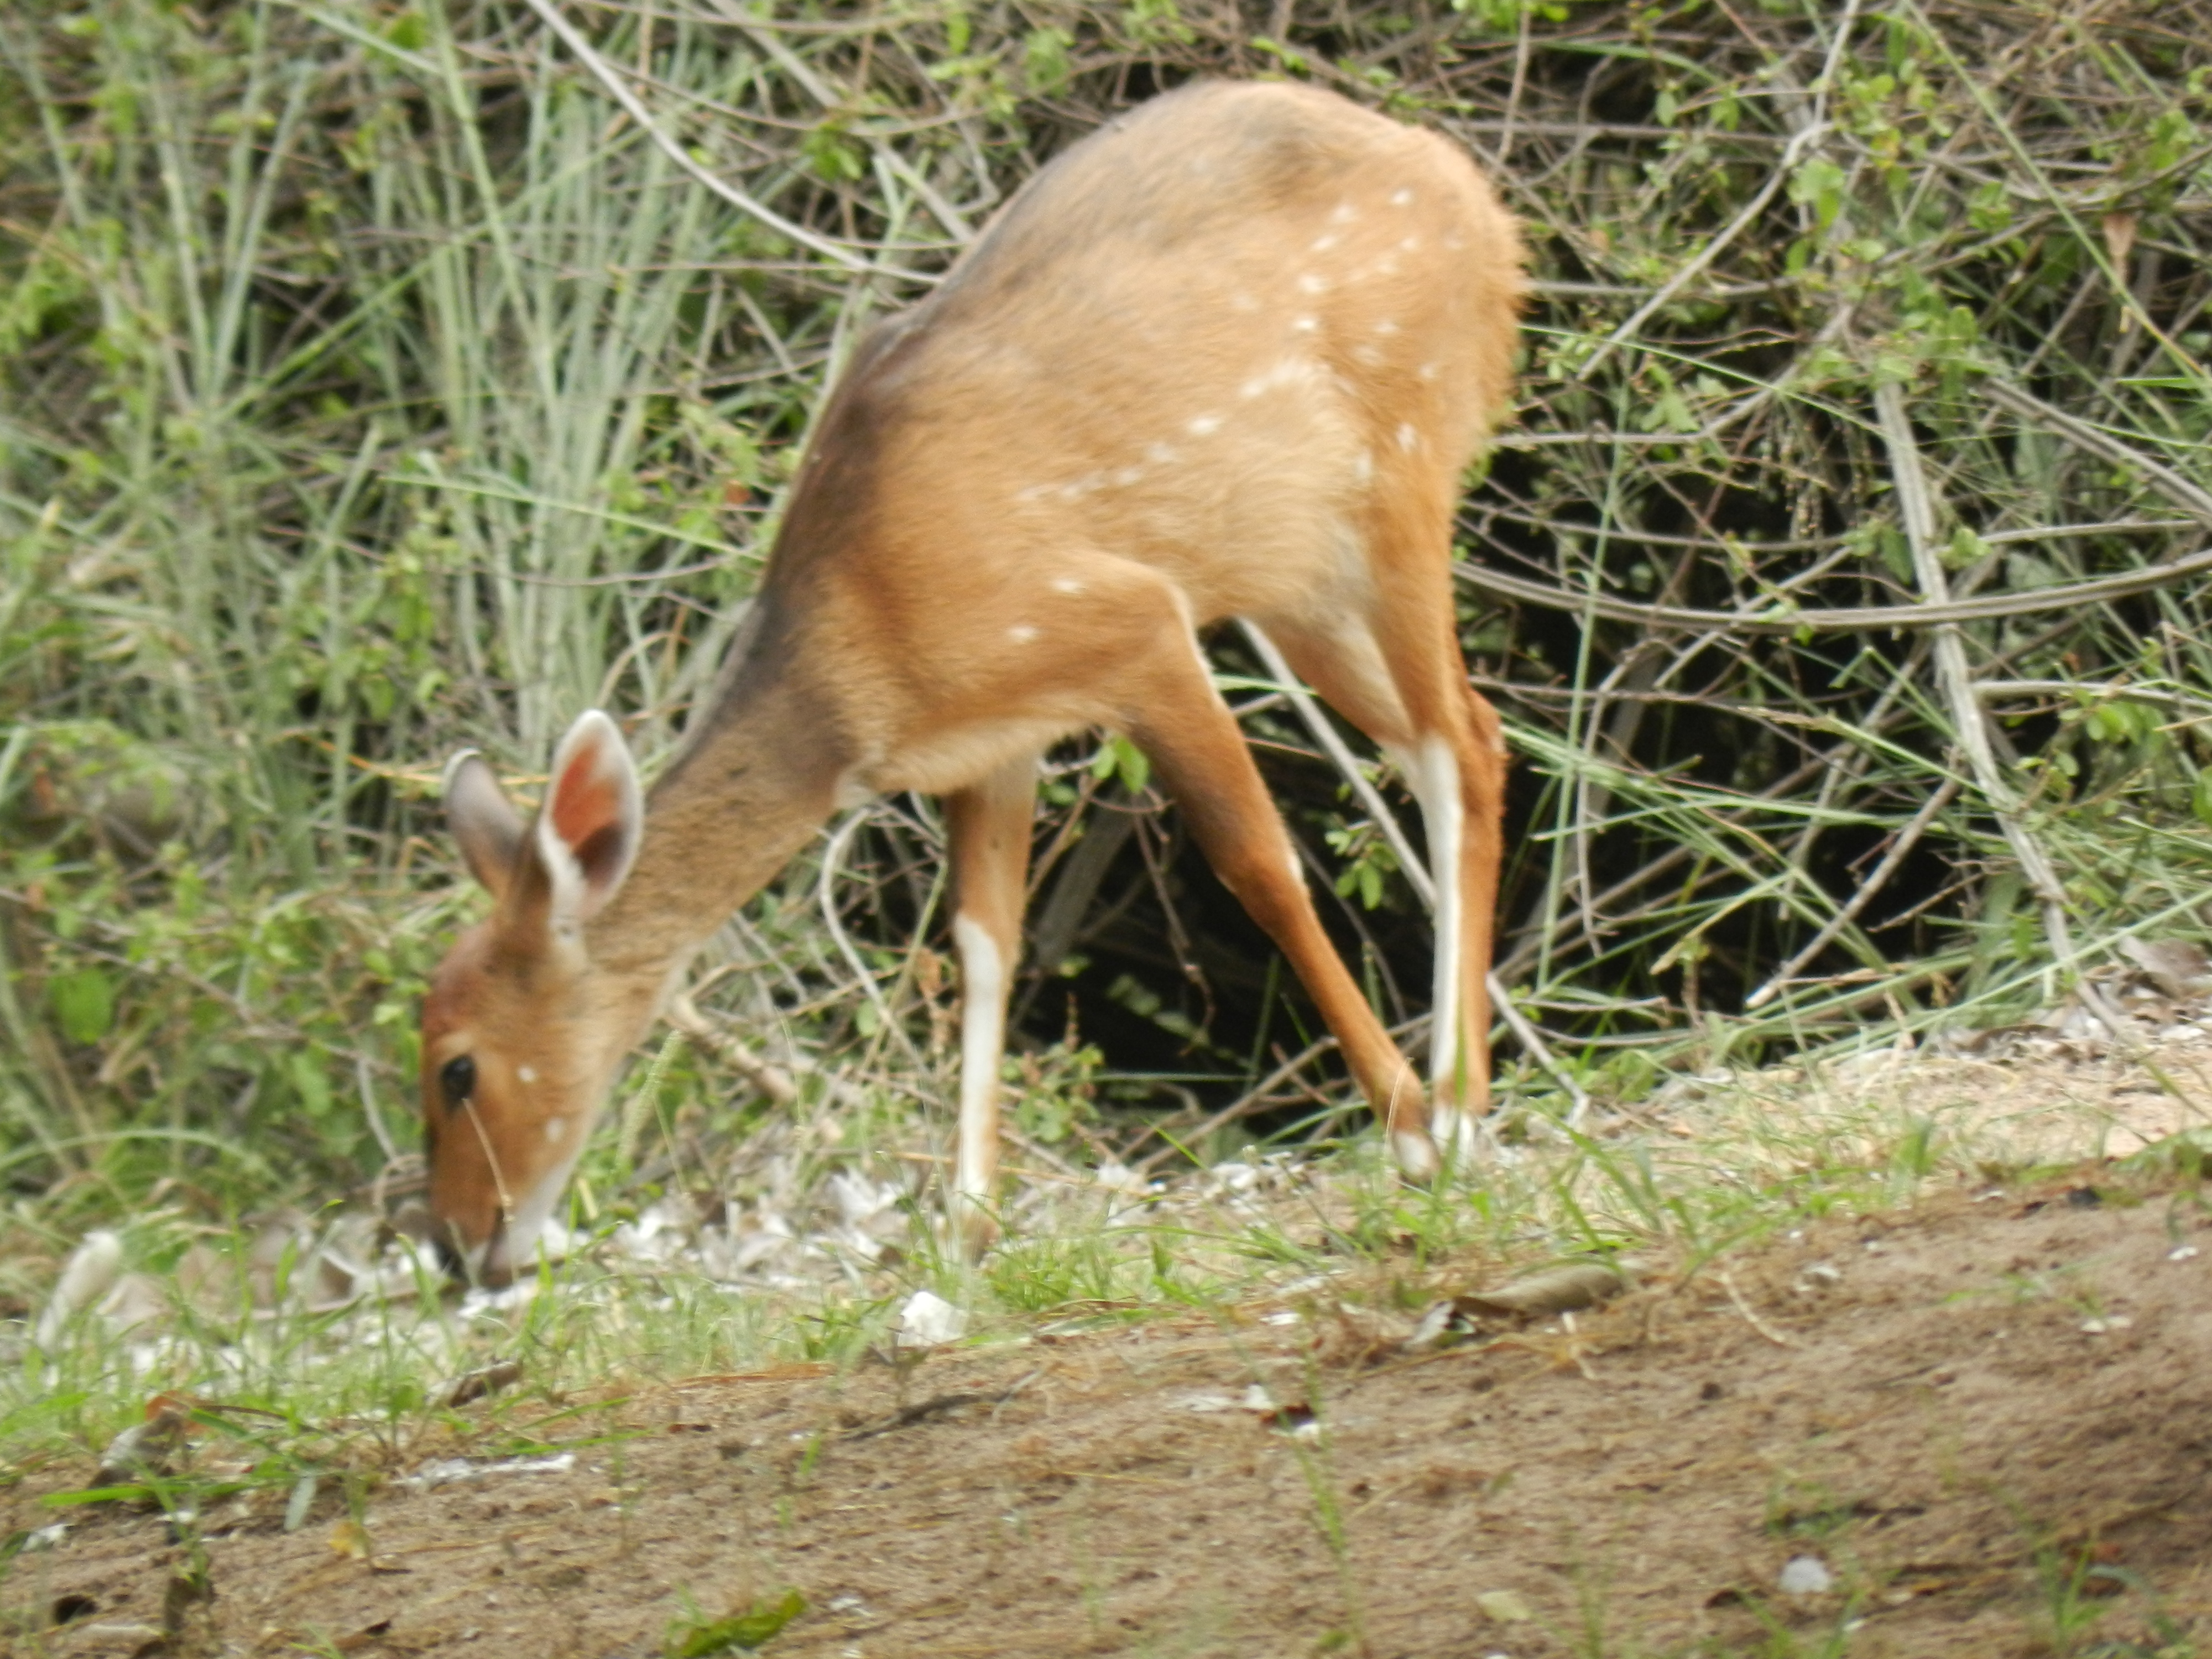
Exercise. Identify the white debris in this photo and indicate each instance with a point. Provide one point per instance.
(446, 1471)
(1504, 1605)
(1805, 1575)
(1208, 1403)
(860, 1200)
(91, 1270)
(928, 1321)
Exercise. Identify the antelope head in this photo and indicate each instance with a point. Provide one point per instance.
(521, 1031)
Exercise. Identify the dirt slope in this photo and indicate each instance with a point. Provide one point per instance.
(1990, 1423)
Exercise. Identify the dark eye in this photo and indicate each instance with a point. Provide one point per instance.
(458, 1078)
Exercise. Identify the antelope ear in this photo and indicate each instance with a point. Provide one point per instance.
(593, 818)
(487, 827)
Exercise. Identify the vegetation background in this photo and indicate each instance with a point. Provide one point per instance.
(373, 383)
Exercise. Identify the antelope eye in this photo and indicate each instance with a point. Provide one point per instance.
(458, 1078)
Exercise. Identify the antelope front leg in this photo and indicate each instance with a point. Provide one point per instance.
(988, 831)
(1194, 740)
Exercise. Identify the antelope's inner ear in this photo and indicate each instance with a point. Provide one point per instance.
(593, 821)
(485, 825)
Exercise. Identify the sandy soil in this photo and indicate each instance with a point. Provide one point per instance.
(1989, 1422)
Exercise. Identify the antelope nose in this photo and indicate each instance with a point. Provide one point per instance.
(449, 1256)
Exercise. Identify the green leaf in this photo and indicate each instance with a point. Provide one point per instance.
(739, 1632)
(1819, 182)
(83, 1003)
(1966, 548)
(1119, 756)
(2199, 800)
(312, 1083)
(124, 1494)
(407, 31)
(1045, 62)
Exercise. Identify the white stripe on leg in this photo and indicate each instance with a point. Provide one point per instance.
(982, 1041)
(1433, 770)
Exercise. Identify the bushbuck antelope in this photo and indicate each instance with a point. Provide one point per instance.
(1226, 357)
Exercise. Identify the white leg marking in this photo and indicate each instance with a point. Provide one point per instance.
(1434, 774)
(982, 1041)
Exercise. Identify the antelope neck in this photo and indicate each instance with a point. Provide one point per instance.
(757, 778)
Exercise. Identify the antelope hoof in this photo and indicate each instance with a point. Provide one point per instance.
(1416, 1155)
(973, 1230)
(1459, 1136)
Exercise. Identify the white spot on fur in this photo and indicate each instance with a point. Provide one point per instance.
(1032, 492)
(1368, 354)
(1430, 371)
(1204, 426)
(527, 1073)
(1021, 634)
(1244, 302)
(1407, 438)
(1410, 243)
(1160, 455)
(1311, 283)
(1066, 585)
(1321, 245)
(1304, 325)
(1387, 326)
(1291, 371)
(1129, 475)
(1402, 198)
(555, 1127)
(1343, 214)
(1362, 467)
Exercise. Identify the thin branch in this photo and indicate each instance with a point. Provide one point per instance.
(606, 75)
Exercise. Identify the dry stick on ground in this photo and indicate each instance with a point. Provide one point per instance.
(1969, 719)
(1417, 873)
(1750, 1316)
(771, 1079)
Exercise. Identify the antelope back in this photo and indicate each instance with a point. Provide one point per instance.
(1210, 339)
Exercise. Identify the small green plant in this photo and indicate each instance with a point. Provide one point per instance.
(743, 1631)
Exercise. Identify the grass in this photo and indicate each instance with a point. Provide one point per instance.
(286, 1395)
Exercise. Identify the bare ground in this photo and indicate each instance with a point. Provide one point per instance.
(1988, 1420)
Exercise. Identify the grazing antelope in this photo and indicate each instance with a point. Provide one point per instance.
(1226, 357)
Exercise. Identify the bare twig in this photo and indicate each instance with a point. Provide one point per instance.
(1907, 839)
(609, 77)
